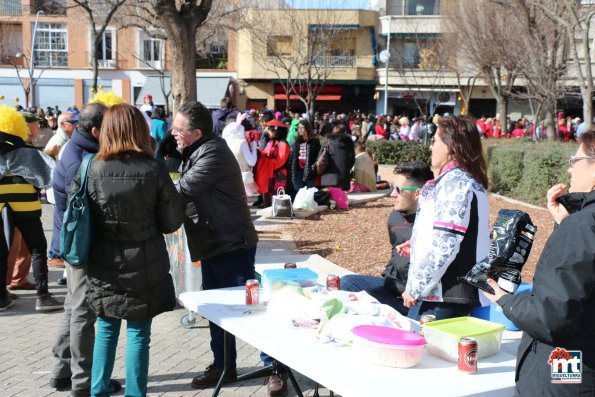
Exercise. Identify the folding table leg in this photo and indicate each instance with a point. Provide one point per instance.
(226, 362)
(294, 383)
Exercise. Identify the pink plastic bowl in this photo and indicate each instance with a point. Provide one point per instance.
(388, 346)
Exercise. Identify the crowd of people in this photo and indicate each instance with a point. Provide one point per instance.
(438, 229)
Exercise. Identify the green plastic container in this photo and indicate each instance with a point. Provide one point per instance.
(443, 336)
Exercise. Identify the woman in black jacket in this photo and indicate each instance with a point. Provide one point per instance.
(303, 156)
(133, 202)
(556, 356)
(341, 157)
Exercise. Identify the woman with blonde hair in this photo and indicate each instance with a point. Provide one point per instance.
(133, 203)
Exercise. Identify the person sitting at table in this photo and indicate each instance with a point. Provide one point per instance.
(218, 225)
(560, 311)
(451, 231)
(409, 179)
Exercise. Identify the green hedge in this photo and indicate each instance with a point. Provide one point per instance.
(526, 170)
(522, 170)
(395, 152)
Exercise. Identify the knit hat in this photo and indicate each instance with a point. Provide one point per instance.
(31, 117)
(13, 122)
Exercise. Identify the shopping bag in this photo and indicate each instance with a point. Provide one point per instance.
(304, 199)
(340, 197)
(247, 177)
(77, 228)
(281, 205)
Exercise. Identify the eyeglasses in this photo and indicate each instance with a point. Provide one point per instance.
(179, 130)
(399, 189)
(573, 159)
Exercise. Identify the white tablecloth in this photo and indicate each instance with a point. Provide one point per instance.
(339, 368)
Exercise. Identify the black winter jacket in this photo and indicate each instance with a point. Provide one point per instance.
(133, 203)
(400, 227)
(217, 217)
(560, 311)
(312, 150)
(341, 160)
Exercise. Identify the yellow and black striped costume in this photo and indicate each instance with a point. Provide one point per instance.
(20, 196)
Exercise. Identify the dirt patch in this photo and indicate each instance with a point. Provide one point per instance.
(357, 239)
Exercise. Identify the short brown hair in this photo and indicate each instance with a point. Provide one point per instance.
(587, 139)
(123, 131)
(461, 137)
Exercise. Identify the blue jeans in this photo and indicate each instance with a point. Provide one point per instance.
(298, 183)
(375, 287)
(442, 310)
(138, 337)
(230, 269)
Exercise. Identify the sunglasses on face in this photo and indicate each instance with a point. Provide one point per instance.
(399, 189)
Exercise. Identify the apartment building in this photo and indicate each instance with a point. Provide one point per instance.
(331, 49)
(414, 82)
(130, 59)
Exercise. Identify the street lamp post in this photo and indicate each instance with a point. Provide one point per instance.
(30, 63)
(386, 66)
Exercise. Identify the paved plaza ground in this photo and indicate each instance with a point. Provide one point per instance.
(177, 354)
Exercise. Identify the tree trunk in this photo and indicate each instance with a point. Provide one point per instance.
(549, 125)
(587, 95)
(183, 61)
(502, 111)
(95, 62)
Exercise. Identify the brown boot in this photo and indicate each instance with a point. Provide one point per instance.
(211, 376)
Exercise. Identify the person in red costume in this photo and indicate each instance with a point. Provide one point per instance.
(271, 168)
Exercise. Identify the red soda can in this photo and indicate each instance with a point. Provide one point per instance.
(252, 292)
(333, 282)
(290, 265)
(468, 355)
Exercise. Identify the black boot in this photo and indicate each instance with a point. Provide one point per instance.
(258, 201)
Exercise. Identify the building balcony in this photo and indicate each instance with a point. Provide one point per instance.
(339, 61)
(106, 63)
(49, 7)
(408, 26)
(11, 7)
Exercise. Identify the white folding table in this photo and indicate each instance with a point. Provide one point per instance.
(338, 368)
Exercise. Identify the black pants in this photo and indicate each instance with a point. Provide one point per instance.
(33, 236)
(230, 269)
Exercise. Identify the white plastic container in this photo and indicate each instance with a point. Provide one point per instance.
(387, 346)
(443, 336)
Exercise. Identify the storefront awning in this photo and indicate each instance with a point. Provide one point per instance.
(209, 90)
(283, 97)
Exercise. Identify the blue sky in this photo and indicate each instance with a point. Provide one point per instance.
(349, 4)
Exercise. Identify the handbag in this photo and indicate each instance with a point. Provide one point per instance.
(247, 177)
(322, 161)
(77, 228)
(281, 205)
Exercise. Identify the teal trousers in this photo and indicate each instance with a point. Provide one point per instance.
(138, 338)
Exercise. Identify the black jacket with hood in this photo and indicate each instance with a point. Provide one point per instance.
(560, 311)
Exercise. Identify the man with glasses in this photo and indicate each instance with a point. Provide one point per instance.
(218, 224)
(409, 178)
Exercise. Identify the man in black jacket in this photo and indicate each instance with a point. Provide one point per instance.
(410, 177)
(218, 225)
